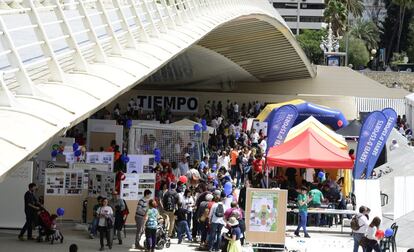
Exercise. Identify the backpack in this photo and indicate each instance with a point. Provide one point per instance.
(125, 212)
(355, 223)
(219, 211)
(169, 202)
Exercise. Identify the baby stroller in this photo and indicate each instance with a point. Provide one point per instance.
(46, 228)
(162, 236)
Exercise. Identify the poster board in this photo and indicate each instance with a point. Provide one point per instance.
(66, 182)
(90, 167)
(64, 189)
(134, 185)
(101, 184)
(140, 164)
(266, 215)
(100, 158)
(129, 187)
(367, 193)
(12, 190)
(260, 126)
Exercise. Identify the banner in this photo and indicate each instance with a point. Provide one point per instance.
(391, 117)
(280, 123)
(368, 137)
(175, 103)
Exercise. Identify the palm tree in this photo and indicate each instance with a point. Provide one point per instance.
(354, 7)
(367, 31)
(404, 5)
(336, 14)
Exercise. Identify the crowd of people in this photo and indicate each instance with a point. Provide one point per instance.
(200, 208)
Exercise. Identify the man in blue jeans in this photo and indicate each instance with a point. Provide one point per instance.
(302, 202)
(363, 224)
(216, 218)
(182, 225)
(94, 224)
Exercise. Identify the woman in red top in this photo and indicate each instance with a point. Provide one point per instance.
(257, 170)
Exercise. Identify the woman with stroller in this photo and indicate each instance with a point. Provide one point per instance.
(105, 224)
(151, 223)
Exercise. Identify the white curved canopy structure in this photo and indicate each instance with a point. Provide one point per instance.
(61, 62)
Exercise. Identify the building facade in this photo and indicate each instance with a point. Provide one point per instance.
(301, 14)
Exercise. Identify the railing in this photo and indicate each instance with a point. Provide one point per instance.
(42, 40)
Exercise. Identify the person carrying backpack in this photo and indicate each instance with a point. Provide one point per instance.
(359, 225)
(202, 219)
(169, 204)
(216, 218)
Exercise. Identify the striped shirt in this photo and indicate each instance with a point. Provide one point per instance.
(141, 208)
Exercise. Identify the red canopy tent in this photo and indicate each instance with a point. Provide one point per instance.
(309, 150)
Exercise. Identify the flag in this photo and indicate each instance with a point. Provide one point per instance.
(280, 123)
(391, 117)
(368, 137)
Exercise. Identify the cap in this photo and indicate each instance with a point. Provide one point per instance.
(186, 155)
(209, 197)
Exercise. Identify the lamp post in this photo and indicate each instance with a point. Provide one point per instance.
(298, 17)
(374, 58)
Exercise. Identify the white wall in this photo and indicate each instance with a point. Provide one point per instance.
(108, 126)
(12, 191)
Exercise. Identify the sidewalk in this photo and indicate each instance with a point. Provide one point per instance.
(319, 242)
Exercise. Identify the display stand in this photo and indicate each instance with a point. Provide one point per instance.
(64, 188)
(266, 218)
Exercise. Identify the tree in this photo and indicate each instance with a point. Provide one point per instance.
(410, 41)
(367, 31)
(389, 30)
(310, 41)
(354, 7)
(336, 14)
(358, 53)
(404, 5)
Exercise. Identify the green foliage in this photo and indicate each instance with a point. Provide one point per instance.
(358, 54)
(397, 58)
(336, 14)
(410, 41)
(310, 41)
(366, 31)
(355, 7)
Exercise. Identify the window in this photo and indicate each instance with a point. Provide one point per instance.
(290, 18)
(312, 6)
(285, 5)
(311, 19)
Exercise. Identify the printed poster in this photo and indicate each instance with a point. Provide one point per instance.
(74, 181)
(101, 184)
(129, 187)
(100, 158)
(146, 181)
(140, 164)
(263, 212)
(55, 182)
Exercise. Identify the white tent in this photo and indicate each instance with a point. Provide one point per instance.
(187, 122)
(409, 108)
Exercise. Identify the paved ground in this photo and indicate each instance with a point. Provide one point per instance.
(319, 242)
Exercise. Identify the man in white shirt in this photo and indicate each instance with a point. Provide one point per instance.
(217, 222)
(254, 137)
(309, 175)
(214, 123)
(236, 111)
(363, 224)
(263, 145)
(224, 160)
(183, 165)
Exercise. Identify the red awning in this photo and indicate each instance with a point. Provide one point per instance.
(309, 150)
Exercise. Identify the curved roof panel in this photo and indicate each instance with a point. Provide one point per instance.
(61, 63)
